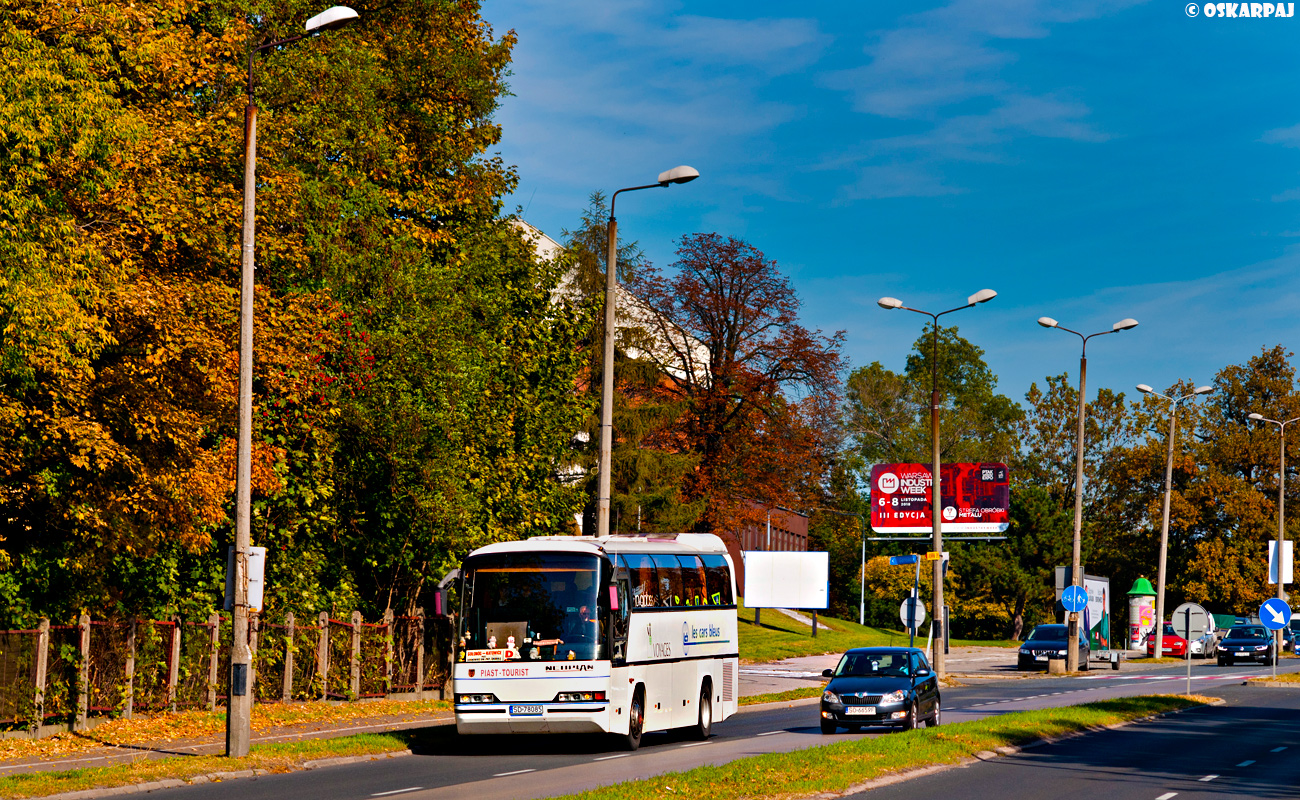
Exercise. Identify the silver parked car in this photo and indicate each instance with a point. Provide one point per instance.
(1207, 646)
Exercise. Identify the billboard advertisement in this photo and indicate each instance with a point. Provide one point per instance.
(976, 498)
(786, 579)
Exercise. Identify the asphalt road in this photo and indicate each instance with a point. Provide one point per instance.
(521, 768)
(1247, 747)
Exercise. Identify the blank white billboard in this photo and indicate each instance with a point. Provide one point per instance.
(786, 579)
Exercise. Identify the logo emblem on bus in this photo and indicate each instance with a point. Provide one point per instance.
(686, 633)
(650, 635)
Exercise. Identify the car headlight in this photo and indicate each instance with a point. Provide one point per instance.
(1060, 652)
(1261, 647)
(1025, 651)
(893, 697)
(830, 697)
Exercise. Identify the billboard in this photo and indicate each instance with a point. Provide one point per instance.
(976, 498)
(1095, 619)
(786, 579)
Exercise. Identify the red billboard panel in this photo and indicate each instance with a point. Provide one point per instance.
(976, 498)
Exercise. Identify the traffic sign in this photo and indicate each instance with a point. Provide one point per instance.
(895, 561)
(1074, 598)
(1191, 621)
(905, 612)
(936, 556)
(1274, 614)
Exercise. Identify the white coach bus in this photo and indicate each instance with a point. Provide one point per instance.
(620, 634)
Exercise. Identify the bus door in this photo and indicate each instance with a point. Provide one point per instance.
(619, 608)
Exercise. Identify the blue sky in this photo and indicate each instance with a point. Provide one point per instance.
(1089, 160)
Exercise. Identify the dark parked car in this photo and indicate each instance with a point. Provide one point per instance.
(891, 686)
(1047, 643)
(1246, 643)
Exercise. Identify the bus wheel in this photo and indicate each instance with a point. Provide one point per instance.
(704, 725)
(635, 720)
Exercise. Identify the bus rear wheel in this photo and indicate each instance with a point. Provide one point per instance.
(635, 721)
(704, 724)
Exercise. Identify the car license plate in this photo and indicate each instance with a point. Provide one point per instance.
(854, 710)
(1040, 658)
(525, 711)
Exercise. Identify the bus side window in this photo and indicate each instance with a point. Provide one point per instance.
(693, 581)
(618, 610)
(644, 583)
(717, 580)
(670, 580)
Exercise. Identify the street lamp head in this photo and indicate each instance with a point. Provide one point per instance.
(331, 18)
(982, 296)
(1142, 387)
(1047, 322)
(889, 302)
(1124, 325)
(682, 174)
(1256, 417)
(1203, 390)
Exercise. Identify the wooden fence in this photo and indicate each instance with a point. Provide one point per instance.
(70, 674)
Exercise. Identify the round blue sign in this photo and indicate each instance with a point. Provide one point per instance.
(1274, 614)
(1074, 598)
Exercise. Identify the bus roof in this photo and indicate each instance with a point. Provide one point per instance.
(685, 543)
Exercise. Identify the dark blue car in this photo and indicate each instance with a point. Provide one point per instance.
(892, 686)
(1246, 643)
(1047, 643)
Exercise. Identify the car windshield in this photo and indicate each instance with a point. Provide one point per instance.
(888, 665)
(1055, 633)
(1253, 632)
(1169, 630)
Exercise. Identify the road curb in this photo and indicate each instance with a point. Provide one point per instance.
(1273, 684)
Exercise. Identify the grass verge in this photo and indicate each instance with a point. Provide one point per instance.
(838, 766)
(781, 697)
(779, 636)
(1285, 677)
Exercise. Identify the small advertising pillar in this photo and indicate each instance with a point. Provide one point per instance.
(1141, 613)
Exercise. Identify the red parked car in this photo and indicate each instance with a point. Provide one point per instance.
(1172, 645)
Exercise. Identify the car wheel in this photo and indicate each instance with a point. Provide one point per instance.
(1083, 662)
(704, 724)
(828, 726)
(1223, 662)
(635, 721)
(909, 722)
(936, 719)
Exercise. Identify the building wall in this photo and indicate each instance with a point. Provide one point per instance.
(789, 532)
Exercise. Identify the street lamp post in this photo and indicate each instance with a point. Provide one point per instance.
(862, 567)
(681, 174)
(1164, 524)
(240, 702)
(1076, 557)
(936, 497)
(1281, 513)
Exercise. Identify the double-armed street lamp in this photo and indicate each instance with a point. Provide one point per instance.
(1281, 505)
(936, 498)
(240, 702)
(682, 174)
(1164, 524)
(1076, 557)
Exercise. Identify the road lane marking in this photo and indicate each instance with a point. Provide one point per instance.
(398, 791)
(695, 744)
(1207, 778)
(607, 758)
(1278, 749)
(516, 772)
(1167, 795)
(769, 733)
(1245, 763)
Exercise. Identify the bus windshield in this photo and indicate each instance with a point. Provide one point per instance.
(533, 607)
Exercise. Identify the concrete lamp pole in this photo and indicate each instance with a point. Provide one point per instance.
(936, 495)
(681, 174)
(1281, 512)
(1164, 524)
(1076, 558)
(240, 702)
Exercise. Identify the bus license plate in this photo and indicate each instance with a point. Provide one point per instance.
(851, 710)
(525, 711)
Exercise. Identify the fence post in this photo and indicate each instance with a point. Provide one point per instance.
(174, 666)
(254, 628)
(388, 651)
(130, 670)
(323, 655)
(286, 692)
(214, 641)
(83, 673)
(419, 653)
(38, 673)
(354, 668)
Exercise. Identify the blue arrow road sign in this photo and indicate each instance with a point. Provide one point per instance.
(1274, 614)
(895, 561)
(1074, 598)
